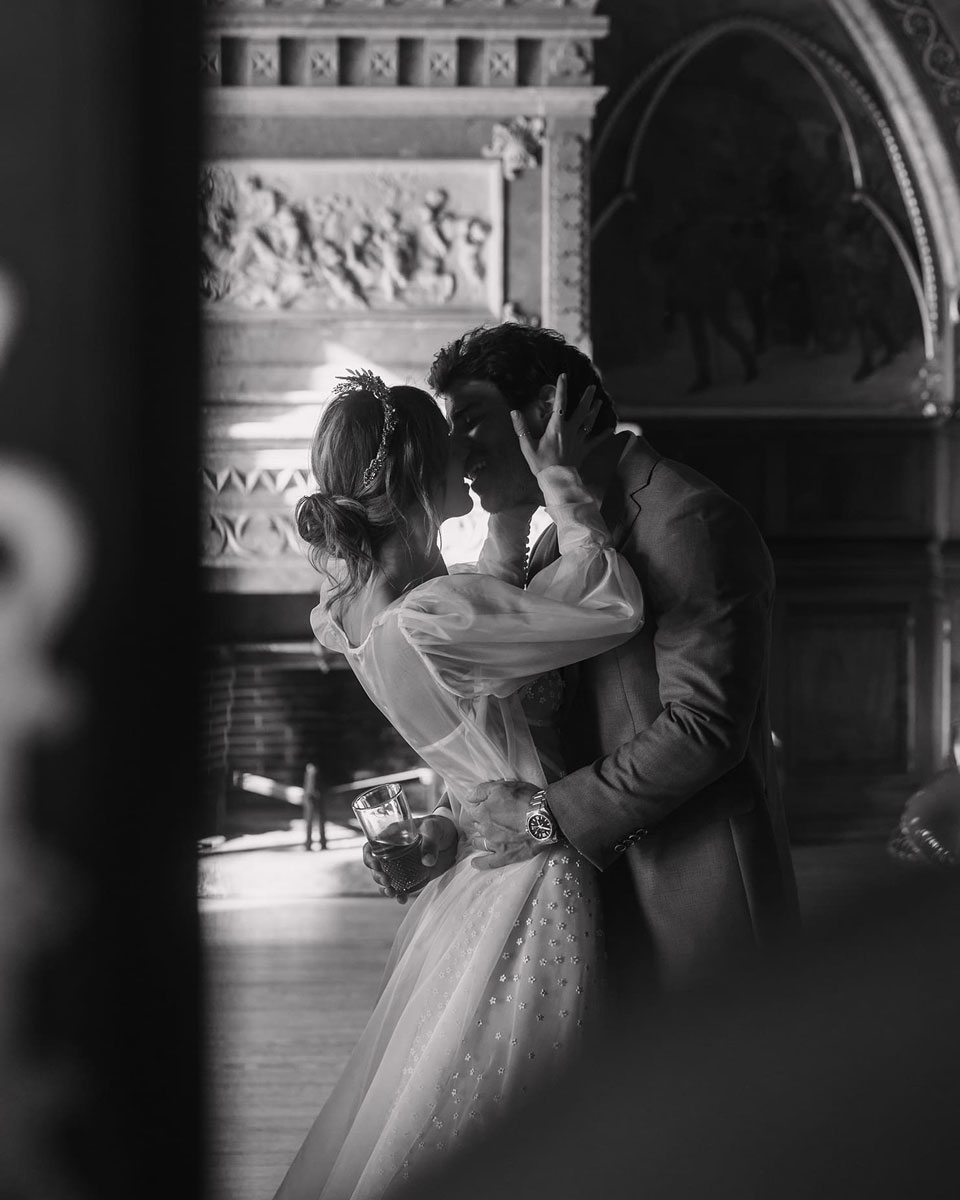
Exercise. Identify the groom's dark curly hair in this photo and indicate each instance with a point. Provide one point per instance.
(519, 360)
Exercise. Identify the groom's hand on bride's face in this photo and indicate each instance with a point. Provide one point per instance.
(438, 851)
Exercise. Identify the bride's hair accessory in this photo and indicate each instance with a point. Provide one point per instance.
(367, 381)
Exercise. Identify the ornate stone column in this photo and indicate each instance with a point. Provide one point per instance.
(379, 177)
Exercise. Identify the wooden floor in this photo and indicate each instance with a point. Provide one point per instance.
(290, 986)
(291, 982)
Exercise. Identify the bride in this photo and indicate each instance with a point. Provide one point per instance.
(493, 974)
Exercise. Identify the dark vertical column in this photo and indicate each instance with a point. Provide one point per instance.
(98, 122)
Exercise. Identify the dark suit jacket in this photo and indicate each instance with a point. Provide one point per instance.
(672, 790)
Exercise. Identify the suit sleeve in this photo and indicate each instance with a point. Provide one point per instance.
(709, 589)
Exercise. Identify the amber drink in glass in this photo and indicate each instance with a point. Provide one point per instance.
(384, 815)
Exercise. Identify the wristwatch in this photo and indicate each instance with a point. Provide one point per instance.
(540, 823)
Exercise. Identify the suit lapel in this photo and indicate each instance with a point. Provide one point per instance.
(620, 508)
(622, 503)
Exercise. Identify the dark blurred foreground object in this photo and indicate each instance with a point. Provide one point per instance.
(100, 1033)
(929, 828)
(835, 1075)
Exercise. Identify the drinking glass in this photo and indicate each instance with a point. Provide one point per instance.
(385, 817)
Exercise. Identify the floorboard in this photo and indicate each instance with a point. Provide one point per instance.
(291, 980)
(290, 986)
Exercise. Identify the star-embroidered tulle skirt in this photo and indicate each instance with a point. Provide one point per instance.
(487, 993)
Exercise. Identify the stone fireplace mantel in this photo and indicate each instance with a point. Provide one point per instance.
(378, 178)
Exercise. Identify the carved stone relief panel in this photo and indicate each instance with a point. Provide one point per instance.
(351, 236)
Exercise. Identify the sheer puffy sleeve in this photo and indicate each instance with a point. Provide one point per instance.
(479, 635)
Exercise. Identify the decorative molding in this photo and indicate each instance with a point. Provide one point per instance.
(568, 274)
(500, 62)
(351, 235)
(458, 102)
(512, 312)
(294, 14)
(257, 536)
(939, 58)
(441, 62)
(262, 63)
(266, 47)
(518, 144)
(381, 62)
(322, 60)
(210, 62)
(569, 62)
(272, 481)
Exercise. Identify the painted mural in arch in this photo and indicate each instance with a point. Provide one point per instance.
(746, 270)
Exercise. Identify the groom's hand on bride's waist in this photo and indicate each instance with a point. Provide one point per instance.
(499, 810)
(438, 851)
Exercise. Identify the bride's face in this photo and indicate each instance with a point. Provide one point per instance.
(456, 500)
(483, 435)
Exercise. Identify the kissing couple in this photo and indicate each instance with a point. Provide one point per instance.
(598, 713)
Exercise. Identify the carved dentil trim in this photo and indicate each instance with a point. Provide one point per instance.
(518, 144)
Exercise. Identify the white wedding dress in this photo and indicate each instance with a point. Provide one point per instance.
(492, 972)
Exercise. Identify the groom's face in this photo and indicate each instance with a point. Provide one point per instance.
(482, 432)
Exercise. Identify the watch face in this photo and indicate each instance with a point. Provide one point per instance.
(540, 826)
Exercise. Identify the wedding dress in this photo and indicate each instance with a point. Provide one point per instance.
(492, 973)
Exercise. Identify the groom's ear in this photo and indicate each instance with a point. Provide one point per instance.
(539, 409)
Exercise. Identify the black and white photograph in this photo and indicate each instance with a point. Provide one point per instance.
(479, 599)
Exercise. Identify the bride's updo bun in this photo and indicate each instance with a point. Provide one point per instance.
(360, 502)
(336, 523)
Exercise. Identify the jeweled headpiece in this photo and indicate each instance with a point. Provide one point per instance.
(366, 381)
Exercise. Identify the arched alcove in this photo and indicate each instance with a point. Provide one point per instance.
(765, 246)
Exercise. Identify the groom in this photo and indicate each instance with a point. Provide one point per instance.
(672, 789)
